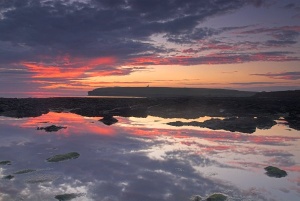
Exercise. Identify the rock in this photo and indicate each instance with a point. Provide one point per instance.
(275, 172)
(177, 123)
(51, 128)
(293, 121)
(25, 171)
(108, 120)
(41, 178)
(5, 163)
(196, 198)
(62, 157)
(9, 177)
(217, 197)
(265, 122)
(233, 124)
(68, 196)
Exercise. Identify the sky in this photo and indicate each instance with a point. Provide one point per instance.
(68, 47)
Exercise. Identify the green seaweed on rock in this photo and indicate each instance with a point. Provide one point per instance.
(62, 157)
(9, 177)
(5, 163)
(25, 171)
(68, 196)
(196, 198)
(217, 197)
(275, 172)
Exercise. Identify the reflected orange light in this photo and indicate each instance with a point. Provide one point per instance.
(73, 122)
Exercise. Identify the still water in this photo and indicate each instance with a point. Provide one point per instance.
(144, 159)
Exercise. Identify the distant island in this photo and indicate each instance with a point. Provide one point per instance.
(152, 92)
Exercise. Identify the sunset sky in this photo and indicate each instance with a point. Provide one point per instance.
(68, 47)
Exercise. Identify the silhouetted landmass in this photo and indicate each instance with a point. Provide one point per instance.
(167, 92)
(245, 114)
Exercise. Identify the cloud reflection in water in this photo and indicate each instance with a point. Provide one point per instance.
(141, 159)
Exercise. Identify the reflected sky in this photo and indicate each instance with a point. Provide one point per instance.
(145, 159)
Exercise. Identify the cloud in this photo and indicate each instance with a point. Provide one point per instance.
(62, 40)
(285, 35)
(32, 29)
(284, 75)
(217, 58)
(253, 83)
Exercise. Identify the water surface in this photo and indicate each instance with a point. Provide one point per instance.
(145, 159)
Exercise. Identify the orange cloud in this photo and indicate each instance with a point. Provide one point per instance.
(67, 68)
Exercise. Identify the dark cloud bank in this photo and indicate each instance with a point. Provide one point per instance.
(31, 29)
(65, 35)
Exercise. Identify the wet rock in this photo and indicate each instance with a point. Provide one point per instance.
(51, 128)
(177, 123)
(42, 178)
(68, 196)
(108, 120)
(233, 124)
(62, 157)
(24, 171)
(196, 198)
(5, 163)
(275, 172)
(293, 121)
(265, 122)
(217, 197)
(9, 177)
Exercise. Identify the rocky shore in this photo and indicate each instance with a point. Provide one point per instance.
(242, 114)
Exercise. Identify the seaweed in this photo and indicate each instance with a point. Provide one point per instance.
(196, 198)
(9, 177)
(68, 196)
(275, 172)
(5, 163)
(62, 157)
(217, 197)
(24, 171)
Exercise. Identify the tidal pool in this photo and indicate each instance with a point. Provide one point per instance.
(144, 159)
